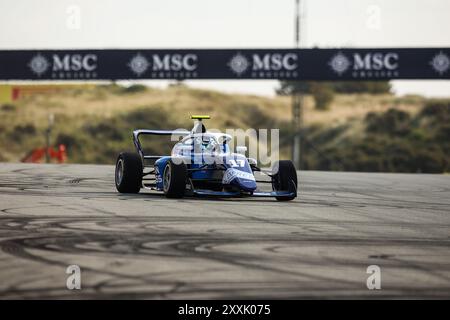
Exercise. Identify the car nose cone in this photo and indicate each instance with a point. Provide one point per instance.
(246, 185)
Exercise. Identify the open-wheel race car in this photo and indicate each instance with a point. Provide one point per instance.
(201, 164)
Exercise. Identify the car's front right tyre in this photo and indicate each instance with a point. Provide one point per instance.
(284, 178)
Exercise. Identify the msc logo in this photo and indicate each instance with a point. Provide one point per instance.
(376, 61)
(269, 65)
(68, 66)
(369, 65)
(440, 63)
(75, 62)
(275, 62)
(39, 64)
(168, 65)
(339, 63)
(239, 64)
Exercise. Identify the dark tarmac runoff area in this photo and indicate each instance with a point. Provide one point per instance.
(145, 246)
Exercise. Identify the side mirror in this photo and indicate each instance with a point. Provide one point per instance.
(241, 150)
(252, 161)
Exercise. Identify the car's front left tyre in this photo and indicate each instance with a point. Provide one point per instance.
(174, 179)
(128, 174)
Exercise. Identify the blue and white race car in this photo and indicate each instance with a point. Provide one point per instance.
(201, 164)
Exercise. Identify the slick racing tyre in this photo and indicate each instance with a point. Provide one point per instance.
(284, 178)
(128, 174)
(174, 179)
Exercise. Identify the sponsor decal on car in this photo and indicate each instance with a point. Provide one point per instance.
(231, 174)
(158, 177)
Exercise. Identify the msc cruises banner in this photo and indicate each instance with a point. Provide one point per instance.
(294, 64)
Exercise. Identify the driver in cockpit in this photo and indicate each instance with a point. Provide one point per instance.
(205, 144)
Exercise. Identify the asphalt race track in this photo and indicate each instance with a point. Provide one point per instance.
(147, 246)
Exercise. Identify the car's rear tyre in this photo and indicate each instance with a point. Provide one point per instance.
(284, 178)
(174, 179)
(128, 175)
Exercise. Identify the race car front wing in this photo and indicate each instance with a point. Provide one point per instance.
(201, 192)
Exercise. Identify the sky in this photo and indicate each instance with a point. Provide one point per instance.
(63, 24)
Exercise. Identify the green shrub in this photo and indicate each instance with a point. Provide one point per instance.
(147, 117)
(134, 88)
(21, 132)
(323, 96)
(442, 135)
(254, 117)
(371, 87)
(391, 122)
(104, 130)
(439, 109)
(393, 142)
(305, 87)
(24, 129)
(7, 107)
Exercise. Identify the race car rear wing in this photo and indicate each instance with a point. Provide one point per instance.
(137, 143)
